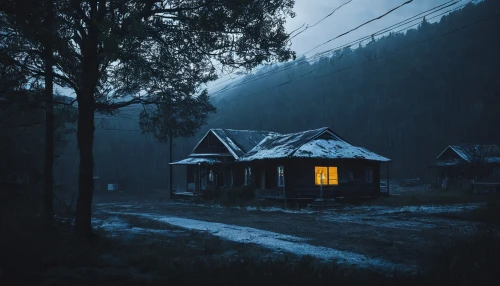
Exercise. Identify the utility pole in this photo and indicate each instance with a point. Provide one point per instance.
(170, 179)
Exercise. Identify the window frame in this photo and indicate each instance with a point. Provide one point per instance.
(248, 175)
(281, 182)
(369, 175)
(331, 180)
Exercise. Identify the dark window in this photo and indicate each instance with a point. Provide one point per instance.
(369, 175)
(281, 176)
(248, 175)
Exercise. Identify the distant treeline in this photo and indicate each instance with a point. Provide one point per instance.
(406, 96)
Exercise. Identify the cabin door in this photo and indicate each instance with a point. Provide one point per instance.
(263, 179)
(228, 176)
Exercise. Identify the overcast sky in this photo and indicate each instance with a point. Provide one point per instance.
(349, 16)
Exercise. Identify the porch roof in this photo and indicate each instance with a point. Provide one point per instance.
(196, 161)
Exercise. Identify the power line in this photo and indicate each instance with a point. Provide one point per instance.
(305, 60)
(324, 18)
(330, 51)
(119, 129)
(376, 58)
(365, 23)
(406, 28)
(402, 23)
(407, 2)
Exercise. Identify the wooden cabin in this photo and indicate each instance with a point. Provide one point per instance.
(465, 164)
(311, 164)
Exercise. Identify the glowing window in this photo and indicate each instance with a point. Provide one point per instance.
(325, 176)
(333, 177)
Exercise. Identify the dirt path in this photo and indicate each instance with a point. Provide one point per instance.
(376, 235)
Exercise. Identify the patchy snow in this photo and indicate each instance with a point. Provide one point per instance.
(116, 225)
(407, 217)
(335, 149)
(422, 209)
(113, 223)
(195, 161)
(469, 152)
(250, 208)
(276, 151)
(274, 241)
(281, 145)
(340, 209)
(276, 209)
(309, 144)
(249, 145)
(403, 222)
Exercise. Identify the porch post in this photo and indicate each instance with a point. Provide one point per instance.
(187, 179)
(284, 185)
(199, 178)
(388, 169)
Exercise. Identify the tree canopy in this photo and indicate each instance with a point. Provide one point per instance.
(118, 53)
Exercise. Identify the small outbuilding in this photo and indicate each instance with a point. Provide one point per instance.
(461, 165)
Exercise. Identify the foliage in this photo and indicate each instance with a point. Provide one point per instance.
(168, 120)
(22, 133)
(469, 257)
(149, 51)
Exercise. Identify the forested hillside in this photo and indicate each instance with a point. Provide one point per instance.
(406, 96)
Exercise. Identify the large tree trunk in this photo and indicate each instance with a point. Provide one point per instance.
(49, 117)
(85, 134)
(85, 137)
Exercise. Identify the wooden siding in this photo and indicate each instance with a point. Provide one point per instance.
(300, 174)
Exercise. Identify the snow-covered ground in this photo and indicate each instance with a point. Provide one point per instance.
(272, 240)
(249, 208)
(406, 217)
(379, 237)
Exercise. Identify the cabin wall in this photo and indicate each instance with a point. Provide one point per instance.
(300, 178)
(352, 176)
(239, 175)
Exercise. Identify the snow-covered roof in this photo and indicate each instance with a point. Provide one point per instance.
(443, 163)
(250, 145)
(210, 155)
(469, 152)
(318, 143)
(238, 142)
(335, 149)
(196, 161)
